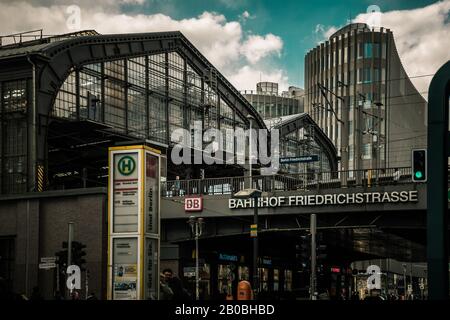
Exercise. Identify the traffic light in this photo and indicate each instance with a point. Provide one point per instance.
(303, 252)
(419, 165)
(78, 253)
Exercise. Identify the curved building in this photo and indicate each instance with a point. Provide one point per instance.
(359, 93)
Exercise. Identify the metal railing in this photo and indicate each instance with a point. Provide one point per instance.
(289, 182)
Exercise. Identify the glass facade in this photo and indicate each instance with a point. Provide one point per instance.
(145, 97)
(273, 106)
(301, 143)
(355, 74)
(13, 138)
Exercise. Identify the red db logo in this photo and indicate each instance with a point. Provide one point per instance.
(193, 204)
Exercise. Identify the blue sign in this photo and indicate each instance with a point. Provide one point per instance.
(301, 159)
(228, 257)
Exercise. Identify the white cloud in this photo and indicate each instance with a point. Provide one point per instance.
(257, 47)
(222, 42)
(422, 37)
(251, 75)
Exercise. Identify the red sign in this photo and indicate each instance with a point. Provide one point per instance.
(193, 204)
(335, 270)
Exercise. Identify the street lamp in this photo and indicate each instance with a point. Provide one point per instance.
(196, 228)
(255, 194)
(250, 119)
(404, 279)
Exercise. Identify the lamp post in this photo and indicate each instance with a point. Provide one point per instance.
(196, 228)
(253, 194)
(404, 280)
(250, 151)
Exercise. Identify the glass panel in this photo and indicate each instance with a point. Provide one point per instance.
(90, 95)
(14, 96)
(136, 72)
(136, 113)
(65, 103)
(115, 69)
(157, 118)
(114, 104)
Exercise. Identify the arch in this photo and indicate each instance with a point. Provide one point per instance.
(62, 56)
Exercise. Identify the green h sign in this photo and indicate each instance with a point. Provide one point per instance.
(126, 165)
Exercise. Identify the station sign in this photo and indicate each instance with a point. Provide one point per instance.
(193, 204)
(359, 198)
(301, 159)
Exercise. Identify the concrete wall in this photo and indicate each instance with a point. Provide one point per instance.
(41, 225)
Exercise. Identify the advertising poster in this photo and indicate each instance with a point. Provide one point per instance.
(125, 272)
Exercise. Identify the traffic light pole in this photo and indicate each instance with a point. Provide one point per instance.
(255, 250)
(313, 232)
(69, 249)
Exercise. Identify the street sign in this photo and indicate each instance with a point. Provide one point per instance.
(48, 259)
(301, 159)
(49, 265)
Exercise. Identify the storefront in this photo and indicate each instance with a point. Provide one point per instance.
(221, 272)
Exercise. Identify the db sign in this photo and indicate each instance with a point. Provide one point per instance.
(193, 204)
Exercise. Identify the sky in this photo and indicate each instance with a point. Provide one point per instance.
(251, 40)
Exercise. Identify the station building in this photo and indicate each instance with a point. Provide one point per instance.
(66, 99)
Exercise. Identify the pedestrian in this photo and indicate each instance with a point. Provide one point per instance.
(166, 292)
(75, 295)
(396, 175)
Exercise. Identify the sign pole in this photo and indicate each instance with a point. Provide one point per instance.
(69, 249)
(313, 256)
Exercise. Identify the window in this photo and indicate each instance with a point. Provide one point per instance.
(14, 95)
(364, 75)
(360, 50)
(351, 152)
(114, 104)
(136, 113)
(65, 103)
(350, 128)
(367, 50)
(367, 151)
(376, 50)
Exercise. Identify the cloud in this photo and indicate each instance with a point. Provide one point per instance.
(422, 37)
(257, 47)
(222, 42)
(247, 77)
